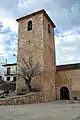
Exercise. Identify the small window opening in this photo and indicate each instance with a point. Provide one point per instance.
(8, 78)
(8, 71)
(14, 78)
(48, 28)
(29, 25)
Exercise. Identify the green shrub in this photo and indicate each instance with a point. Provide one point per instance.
(8, 86)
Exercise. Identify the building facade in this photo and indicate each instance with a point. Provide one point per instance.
(10, 71)
(68, 81)
(36, 40)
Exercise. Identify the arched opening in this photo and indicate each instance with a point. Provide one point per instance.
(64, 93)
(48, 28)
(29, 25)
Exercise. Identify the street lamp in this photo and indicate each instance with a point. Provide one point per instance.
(14, 55)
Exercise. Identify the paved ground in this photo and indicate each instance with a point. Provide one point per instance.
(46, 111)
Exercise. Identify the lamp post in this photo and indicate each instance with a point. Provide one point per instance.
(16, 75)
(14, 55)
(6, 61)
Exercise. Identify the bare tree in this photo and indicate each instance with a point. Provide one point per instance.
(28, 70)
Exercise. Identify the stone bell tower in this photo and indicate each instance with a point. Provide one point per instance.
(36, 39)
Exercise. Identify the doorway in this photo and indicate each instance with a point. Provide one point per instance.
(64, 93)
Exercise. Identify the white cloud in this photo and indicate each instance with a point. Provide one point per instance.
(67, 48)
(65, 14)
(2, 39)
(8, 20)
(12, 24)
(8, 43)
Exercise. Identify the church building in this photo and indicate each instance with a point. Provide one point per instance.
(36, 40)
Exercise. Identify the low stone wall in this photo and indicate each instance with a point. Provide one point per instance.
(24, 99)
(75, 94)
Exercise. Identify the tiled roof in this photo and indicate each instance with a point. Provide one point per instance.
(10, 64)
(35, 13)
(68, 67)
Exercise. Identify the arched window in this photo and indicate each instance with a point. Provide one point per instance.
(64, 93)
(49, 28)
(29, 25)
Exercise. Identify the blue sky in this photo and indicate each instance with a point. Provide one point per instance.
(64, 13)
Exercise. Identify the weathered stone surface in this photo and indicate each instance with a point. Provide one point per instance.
(24, 99)
(70, 79)
(38, 43)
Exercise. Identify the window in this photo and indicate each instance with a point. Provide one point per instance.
(8, 78)
(8, 71)
(14, 78)
(29, 25)
(0, 77)
(48, 28)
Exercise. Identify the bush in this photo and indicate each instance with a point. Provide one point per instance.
(75, 98)
(2, 96)
(23, 91)
(6, 91)
(8, 86)
(12, 86)
(2, 81)
(35, 90)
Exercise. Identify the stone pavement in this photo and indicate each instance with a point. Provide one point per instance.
(57, 110)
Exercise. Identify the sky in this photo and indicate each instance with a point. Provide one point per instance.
(64, 13)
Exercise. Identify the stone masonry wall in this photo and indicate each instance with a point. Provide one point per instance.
(38, 44)
(30, 43)
(49, 56)
(70, 79)
(30, 98)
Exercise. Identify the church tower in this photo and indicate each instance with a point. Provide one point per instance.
(36, 40)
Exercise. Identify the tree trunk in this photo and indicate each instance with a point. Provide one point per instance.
(30, 88)
(28, 84)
